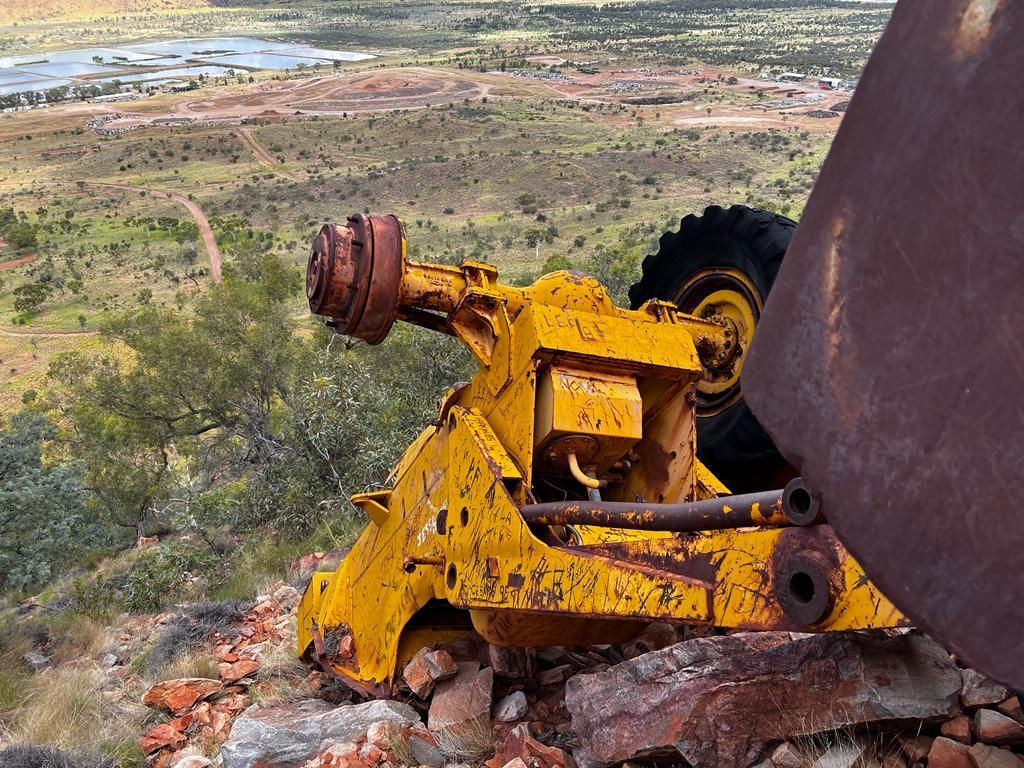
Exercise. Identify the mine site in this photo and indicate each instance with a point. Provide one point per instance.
(489, 384)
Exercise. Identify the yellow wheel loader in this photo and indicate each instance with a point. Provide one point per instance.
(605, 468)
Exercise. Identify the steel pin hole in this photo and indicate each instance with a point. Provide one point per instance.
(801, 587)
(452, 577)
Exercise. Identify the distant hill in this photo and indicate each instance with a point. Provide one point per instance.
(28, 11)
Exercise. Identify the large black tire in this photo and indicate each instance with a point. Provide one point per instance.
(730, 441)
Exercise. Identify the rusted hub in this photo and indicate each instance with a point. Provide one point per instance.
(803, 586)
(354, 274)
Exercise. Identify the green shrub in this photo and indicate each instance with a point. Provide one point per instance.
(161, 573)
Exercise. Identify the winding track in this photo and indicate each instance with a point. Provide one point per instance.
(205, 231)
(245, 134)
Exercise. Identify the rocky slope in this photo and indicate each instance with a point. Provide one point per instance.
(772, 700)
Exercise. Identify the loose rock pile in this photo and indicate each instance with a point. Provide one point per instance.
(202, 709)
(770, 700)
(748, 699)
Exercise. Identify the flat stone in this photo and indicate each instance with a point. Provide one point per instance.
(1011, 708)
(162, 736)
(958, 729)
(946, 753)
(511, 708)
(193, 761)
(463, 699)
(980, 691)
(840, 756)
(293, 733)
(555, 676)
(232, 673)
(179, 696)
(108, 661)
(512, 663)
(440, 665)
(424, 748)
(417, 675)
(286, 596)
(994, 727)
(986, 756)
(786, 756)
(707, 698)
(37, 661)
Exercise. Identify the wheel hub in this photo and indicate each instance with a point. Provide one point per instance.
(726, 297)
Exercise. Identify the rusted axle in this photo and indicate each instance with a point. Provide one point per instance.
(793, 505)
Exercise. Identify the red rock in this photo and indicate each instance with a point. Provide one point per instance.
(380, 733)
(985, 756)
(946, 753)
(220, 724)
(555, 676)
(313, 680)
(441, 665)
(305, 565)
(163, 736)
(994, 727)
(1011, 708)
(370, 754)
(980, 691)
(786, 756)
(346, 647)
(512, 663)
(707, 697)
(520, 744)
(267, 608)
(916, 749)
(178, 696)
(957, 729)
(231, 673)
(417, 675)
(463, 699)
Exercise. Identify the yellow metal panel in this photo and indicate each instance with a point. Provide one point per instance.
(495, 560)
(616, 343)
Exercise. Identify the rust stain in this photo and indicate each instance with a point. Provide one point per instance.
(975, 27)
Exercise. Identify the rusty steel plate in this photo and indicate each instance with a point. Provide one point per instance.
(889, 365)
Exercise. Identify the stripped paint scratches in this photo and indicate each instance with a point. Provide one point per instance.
(833, 297)
(975, 27)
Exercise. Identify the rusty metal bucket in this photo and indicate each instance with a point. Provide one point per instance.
(889, 365)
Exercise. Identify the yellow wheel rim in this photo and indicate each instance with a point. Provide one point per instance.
(724, 294)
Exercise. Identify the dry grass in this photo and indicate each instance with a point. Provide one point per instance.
(281, 677)
(874, 747)
(398, 745)
(74, 708)
(189, 664)
(471, 741)
(77, 636)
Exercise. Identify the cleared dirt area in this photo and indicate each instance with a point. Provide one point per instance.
(12, 263)
(333, 95)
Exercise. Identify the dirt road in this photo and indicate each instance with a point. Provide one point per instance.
(205, 231)
(245, 134)
(46, 334)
